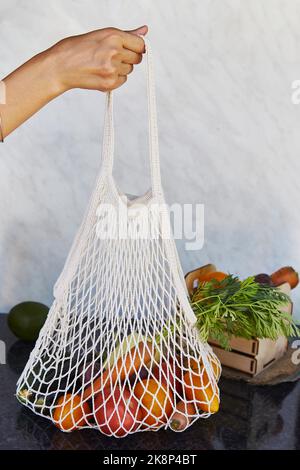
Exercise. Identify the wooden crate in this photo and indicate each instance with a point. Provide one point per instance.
(249, 356)
(268, 352)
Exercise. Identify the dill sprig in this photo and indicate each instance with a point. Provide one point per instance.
(232, 307)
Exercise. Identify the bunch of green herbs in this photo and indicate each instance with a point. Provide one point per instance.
(246, 309)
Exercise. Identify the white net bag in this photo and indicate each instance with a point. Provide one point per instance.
(119, 352)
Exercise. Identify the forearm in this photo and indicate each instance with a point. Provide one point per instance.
(99, 60)
(28, 89)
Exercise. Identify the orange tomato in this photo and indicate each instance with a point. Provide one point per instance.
(70, 413)
(198, 388)
(156, 400)
(216, 368)
(196, 366)
(217, 275)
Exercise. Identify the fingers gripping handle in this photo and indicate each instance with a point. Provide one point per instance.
(108, 137)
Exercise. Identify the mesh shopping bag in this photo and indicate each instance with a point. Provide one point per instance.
(119, 351)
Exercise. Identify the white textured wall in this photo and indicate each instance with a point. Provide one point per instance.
(229, 134)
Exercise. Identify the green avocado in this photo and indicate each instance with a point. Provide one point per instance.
(26, 320)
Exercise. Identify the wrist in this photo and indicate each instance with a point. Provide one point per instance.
(51, 67)
(57, 58)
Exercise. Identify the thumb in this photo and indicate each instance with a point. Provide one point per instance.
(142, 30)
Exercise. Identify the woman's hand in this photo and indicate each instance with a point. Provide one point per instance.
(99, 60)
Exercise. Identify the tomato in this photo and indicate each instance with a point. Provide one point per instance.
(70, 413)
(169, 373)
(216, 276)
(156, 400)
(198, 388)
(196, 366)
(216, 368)
(117, 412)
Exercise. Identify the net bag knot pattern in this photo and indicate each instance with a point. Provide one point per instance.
(119, 351)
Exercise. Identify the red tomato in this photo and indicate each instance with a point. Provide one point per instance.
(169, 372)
(117, 412)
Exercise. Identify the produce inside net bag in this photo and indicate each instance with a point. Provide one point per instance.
(119, 352)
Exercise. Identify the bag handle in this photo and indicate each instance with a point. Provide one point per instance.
(108, 136)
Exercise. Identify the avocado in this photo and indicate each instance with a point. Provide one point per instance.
(26, 319)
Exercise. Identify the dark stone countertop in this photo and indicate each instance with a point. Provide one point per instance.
(250, 417)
